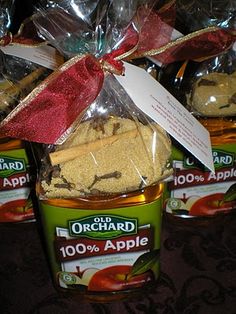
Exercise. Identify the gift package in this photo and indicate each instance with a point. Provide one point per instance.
(18, 77)
(206, 87)
(115, 142)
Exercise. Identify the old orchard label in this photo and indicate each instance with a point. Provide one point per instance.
(104, 250)
(188, 172)
(102, 227)
(73, 249)
(196, 191)
(220, 158)
(9, 166)
(15, 186)
(13, 173)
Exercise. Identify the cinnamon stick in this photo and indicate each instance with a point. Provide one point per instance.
(67, 154)
(13, 91)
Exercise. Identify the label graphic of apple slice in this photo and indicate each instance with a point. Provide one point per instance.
(87, 275)
(190, 201)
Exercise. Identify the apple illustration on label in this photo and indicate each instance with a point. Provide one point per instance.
(16, 210)
(115, 278)
(123, 277)
(211, 204)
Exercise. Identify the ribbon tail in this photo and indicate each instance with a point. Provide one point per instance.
(201, 44)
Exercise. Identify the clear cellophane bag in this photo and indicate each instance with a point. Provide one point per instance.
(112, 147)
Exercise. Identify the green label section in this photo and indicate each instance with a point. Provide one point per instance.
(100, 241)
(12, 161)
(223, 156)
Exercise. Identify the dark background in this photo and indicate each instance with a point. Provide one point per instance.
(23, 9)
(198, 264)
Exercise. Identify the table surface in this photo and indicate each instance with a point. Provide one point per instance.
(198, 273)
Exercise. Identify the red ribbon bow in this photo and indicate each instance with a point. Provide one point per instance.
(49, 110)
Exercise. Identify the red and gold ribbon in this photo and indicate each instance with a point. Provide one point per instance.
(50, 109)
(26, 35)
(204, 43)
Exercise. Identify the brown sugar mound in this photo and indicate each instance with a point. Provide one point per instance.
(214, 95)
(127, 164)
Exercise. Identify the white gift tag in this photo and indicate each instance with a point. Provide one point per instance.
(154, 100)
(43, 55)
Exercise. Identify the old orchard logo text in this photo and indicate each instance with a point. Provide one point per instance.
(220, 159)
(9, 165)
(103, 226)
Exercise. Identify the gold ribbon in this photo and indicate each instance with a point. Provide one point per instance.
(176, 42)
(18, 38)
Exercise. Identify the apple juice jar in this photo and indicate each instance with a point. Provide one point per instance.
(196, 192)
(17, 180)
(104, 249)
(101, 200)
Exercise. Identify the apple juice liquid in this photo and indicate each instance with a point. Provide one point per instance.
(197, 192)
(104, 249)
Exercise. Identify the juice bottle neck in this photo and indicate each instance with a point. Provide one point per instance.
(222, 130)
(8, 143)
(140, 197)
